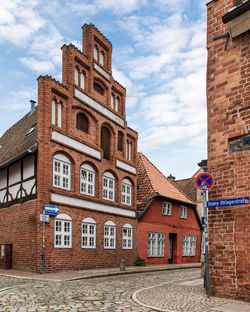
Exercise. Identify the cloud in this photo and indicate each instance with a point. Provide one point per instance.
(119, 7)
(18, 100)
(36, 65)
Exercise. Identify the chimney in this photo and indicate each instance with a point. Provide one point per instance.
(32, 106)
(171, 178)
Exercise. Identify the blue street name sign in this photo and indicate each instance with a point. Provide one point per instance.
(228, 202)
(51, 210)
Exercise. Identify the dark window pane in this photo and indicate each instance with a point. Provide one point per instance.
(105, 142)
(82, 122)
(98, 88)
(120, 141)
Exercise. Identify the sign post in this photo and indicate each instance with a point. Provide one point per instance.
(204, 182)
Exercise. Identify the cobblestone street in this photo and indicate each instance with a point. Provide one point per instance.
(112, 293)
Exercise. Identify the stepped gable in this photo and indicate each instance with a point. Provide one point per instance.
(16, 140)
(151, 182)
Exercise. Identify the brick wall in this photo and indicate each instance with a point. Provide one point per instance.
(228, 103)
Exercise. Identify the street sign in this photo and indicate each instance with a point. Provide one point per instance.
(204, 181)
(51, 210)
(228, 202)
(44, 218)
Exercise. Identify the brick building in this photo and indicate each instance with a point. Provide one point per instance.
(74, 150)
(228, 103)
(169, 225)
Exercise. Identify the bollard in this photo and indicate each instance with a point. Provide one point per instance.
(122, 265)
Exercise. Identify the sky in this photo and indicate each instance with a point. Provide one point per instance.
(159, 56)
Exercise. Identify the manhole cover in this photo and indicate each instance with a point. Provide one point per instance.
(90, 298)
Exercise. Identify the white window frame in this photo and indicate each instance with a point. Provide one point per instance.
(166, 208)
(59, 115)
(76, 76)
(60, 222)
(89, 185)
(183, 212)
(82, 80)
(90, 225)
(129, 150)
(112, 101)
(126, 192)
(53, 112)
(101, 58)
(95, 53)
(109, 235)
(188, 245)
(108, 192)
(59, 176)
(117, 104)
(155, 245)
(127, 236)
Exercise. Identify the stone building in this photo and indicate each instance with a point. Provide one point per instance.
(73, 151)
(228, 104)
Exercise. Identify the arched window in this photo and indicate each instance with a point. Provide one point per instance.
(102, 58)
(108, 186)
(88, 233)
(112, 101)
(95, 53)
(59, 115)
(127, 236)
(120, 141)
(56, 114)
(116, 104)
(98, 88)
(126, 192)
(129, 150)
(105, 142)
(62, 231)
(53, 112)
(76, 76)
(87, 180)
(61, 172)
(82, 122)
(82, 80)
(109, 235)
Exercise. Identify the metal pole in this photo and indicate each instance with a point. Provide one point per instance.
(206, 244)
(43, 253)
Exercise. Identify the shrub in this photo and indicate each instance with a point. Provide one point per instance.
(139, 262)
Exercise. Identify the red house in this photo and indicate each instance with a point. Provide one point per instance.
(169, 225)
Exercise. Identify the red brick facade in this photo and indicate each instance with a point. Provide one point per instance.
(60, 135)
(228, 103)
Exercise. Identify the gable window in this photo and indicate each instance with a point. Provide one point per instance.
(109, 235)
(82, 122)
(183, 212)
(156, 244)
(129, 150)
(108, 186)
(98, 88)
(127, 236)
(112, 101)
(102, 58)
(95, 53)
(56, 114)
(88, 233)
(76, 76)
(166, 209)
(116, 104)
(87, 180)
(61, 172)
(126, 192)
(120, 141)
(62, 231)
(105, 142)
(188, 245)
(82, 80)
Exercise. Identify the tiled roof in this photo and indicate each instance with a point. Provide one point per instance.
(188, 187)
(151, 181)
(16, 140)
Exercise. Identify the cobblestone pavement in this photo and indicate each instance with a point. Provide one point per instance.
(186, 296)
(10, 282)
(109, 294)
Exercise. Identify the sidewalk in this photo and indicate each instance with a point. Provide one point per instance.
(84, 274)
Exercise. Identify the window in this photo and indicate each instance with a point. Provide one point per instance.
(62, 231)
(105, 142)
(53, 112)
(59, 115)
(82, 80)
(108, 186)
(95, 53)
(127, 236)
(76, 76)
(126, 192)
(61, 172)
(188, 245)
(87, 180)
(109, 235)
(88, 233)
(102, 58)
(166, 209)
(98, 88)
(129, 150)
(56, 114)
(183, 212)
(156, 244)
(120, 141)
(112, 101)
(116, 104)
(82, 122)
